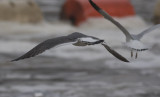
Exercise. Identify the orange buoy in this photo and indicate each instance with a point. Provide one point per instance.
(78, 11)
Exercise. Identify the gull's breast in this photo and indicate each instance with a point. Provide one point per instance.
(136, 45)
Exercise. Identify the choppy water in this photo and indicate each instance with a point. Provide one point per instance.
(70, 71)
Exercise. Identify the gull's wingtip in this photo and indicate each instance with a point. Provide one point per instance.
(126, 61)
(114, 53)
(19, 58)
(94, 5)
(14, 60)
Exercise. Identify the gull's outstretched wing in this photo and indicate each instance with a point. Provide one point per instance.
(140, 35)
(114, 53)
(72, 38)
(108, 17)
(45, 46)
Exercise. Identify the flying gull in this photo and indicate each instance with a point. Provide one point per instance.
(132, 41)
(76, 38)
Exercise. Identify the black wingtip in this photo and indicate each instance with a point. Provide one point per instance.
(15, 60)
(20, 58)
(125, 60)
(94, 5)
(115, 54)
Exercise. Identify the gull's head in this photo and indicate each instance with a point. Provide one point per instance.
(136, 45)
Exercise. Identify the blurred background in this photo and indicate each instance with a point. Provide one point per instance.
(70, 71)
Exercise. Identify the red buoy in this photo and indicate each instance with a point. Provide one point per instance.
(78, 11)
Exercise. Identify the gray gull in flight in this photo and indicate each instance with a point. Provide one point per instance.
(132, 41)
(76, 38)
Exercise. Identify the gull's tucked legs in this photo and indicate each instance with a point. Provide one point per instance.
(136, 55)
(131, 53)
